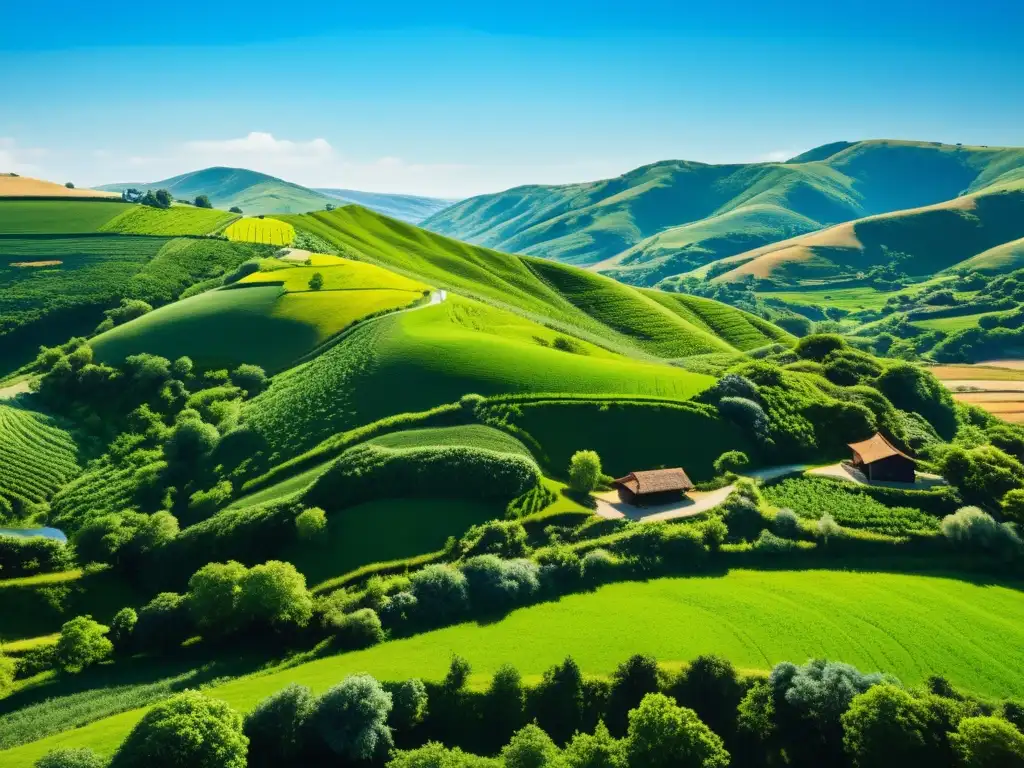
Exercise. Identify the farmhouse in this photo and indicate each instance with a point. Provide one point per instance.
(655, 486)
(879, 459)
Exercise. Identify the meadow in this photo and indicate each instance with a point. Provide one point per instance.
(56, 217)
(168, 222)
(37, 457)
(907, 625)
(472, 435)
(261, 230)
(951, 324)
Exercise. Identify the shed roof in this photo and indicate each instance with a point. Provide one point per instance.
(656, 481)
(875, 448)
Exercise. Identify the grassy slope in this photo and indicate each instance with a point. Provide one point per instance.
(910, 626)
(673, 216)
(36, 457)
(169, 222)
(472, 435)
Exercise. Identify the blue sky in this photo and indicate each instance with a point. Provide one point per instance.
(458, 98)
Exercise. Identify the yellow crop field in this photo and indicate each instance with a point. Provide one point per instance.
(266, 231)
(338, 274)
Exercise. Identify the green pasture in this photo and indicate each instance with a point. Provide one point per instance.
(37, 457)
(850, 299)
(168, 222)
(951, 324)
(908, 625)
(56, 217)
(471, 435)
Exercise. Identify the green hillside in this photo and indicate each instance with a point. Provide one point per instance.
(173, 221)
(675, 216)
(37, 457)
(410, 208)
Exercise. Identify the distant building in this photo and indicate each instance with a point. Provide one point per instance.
(880, 460)
(655, 486)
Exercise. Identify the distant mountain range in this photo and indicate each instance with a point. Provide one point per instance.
(258, 193)
(678, 216)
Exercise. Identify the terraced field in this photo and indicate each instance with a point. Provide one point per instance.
(36, 458)
(472, 435)
(169, 222)
(257, 230)
(910, 626)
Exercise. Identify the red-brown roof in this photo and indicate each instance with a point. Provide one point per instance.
(875, 448)
(656, 481)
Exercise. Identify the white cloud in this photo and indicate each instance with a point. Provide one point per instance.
(778, 156)
(21, 160)
(261, 149)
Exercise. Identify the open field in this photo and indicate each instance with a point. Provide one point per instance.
(168, 222)
(990, 371)
(36, 458)
(951, 324)
(338, 274)
(470, 435)
(910, 626)
(266, 231)
(25, 186)
(56, 217)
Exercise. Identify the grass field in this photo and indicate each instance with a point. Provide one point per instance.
(850, 299)
(56, 217)
(951, 324)
(266, 231)
(908, 625)
(36, 458)
(169, 222)
(471, 435)
(418, 360)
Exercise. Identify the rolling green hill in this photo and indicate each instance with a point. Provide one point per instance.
(675, 216)
(410, 208)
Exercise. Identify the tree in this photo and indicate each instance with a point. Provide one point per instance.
(251, 378)
(189, 730)
(1012, 505)
(632, 680)
(584, 471)
(82, 642)
(275, 594)
(665, 735)
(121, 628)
(599, 750)
(885, 726)
(71, 758)
(164, 623)
(234, 209)
(530, 747)
(351, 719)
(163, 198)
(212, 597)
(503, 706)
(441, 592)
(69, 185)
(818, 345)
(971, 528)
(434, 754)
(988, 742)
(557, 702)
(329, 207)
(311, 524)
(182, 368)
(316, 282)
(190, 441)
(711, 687)
(731, 461)
(828, 528)
(359, 629)
(408, 705)
(276, 727)
(202, 201)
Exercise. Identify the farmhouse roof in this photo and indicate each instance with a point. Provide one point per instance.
(656, 481)
(875, 448)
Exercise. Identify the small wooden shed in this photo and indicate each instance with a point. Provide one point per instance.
(880, 460)
(653, 486)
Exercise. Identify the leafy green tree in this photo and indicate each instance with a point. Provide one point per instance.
(276, 727)
(351, 719)
(71, 758)
(599, 750)
(711, 687)
(202, 201)
(584, 471)
(988, 742)
(121, 628)
(665, 735)
(69, 185)
(251, 378)
(441, 592)
(408, 705)
(632, 680)
(182, 368)
(163, 198)
(311, 524)
(434, 754)
(275, 594)
(164, 623)
(530, 747)
(212, 597)
(191, 440)
(189, 730)
(503, 706)
(973, 529)
(1012, 505)
(886, 726)
(558, 700)
(731, 461)
(82, 642)
(359, 629)
(316, 282)
(234, 209)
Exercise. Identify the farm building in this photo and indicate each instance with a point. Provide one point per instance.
(655, 486)
(879, 459)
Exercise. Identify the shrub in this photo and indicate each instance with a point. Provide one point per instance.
(584, 471)
(631, 681)
(408, 704)
(27, 555)
(665, 735)
(746, 414)
(351, 719)
(769, 543)
(494, 584)
(984, 474)
(733, 385)
(827, 528)
(434, 754)
(234, 209)
(597, 751)
(560, 567)
(359, 629)
(316, 282)
(598, 565)
(530, 747)
(786, 523)
(714, 532)
(1012, 505)
(731, 461)
(202, 201)
(276, 727)
(251, 378)
(505, 538)
(911, 388)
(71, 758)
(973, 529)
(274, 594)
(213, 593)
(988, 742)
(121, 628)
(311, 524)
(711, 687)
(189, 730)
(164, 623)
(82, 642)
(441, 592)
(818, 345)
(885, 726)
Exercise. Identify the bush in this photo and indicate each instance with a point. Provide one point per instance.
(28, 555)
(747, 415)
(276, 727)
(665, 735)
(786, 524)
(827, 528)
(189, 730)
(505, 538)
(597, 751)
(988, 742)
(121, 628)
(598, 565)
(212, 599)
(71, 758)
(1012, 505)
(769, 543)
(494, 584)
(441, 593)
(408, 704)
(886, 726)
(731, 461)
(311, 524)
(818, 345)
(351, 719)
(359, 629)
(734, 385)
(584, 471)
(973, 529)
(316, 282)
(913, 389)
(274, 594)
(164, 623)
(984, 475)
(434, 754)
(202, 201)
(251, 378)
(530, 747)
(82, 642)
